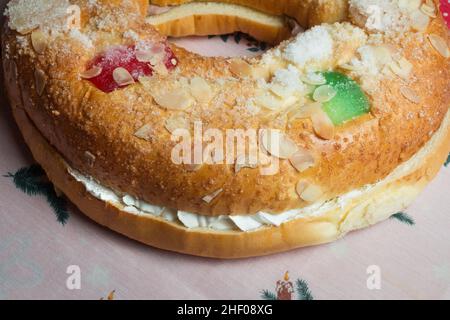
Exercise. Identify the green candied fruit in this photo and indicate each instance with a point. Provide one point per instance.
(348, 103)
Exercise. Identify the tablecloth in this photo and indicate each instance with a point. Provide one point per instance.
(49, 250)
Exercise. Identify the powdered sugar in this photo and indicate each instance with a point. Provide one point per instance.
(315, 44)
(81, 37)
(380, 15)
(289, 79)
(26, 15)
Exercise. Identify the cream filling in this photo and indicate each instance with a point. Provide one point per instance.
(261, 219)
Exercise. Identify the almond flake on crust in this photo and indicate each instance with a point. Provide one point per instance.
(90, 158)
(38, 41)
(322, 125)
(200, 89)
(243, 161)
(307, 191)
(40, 79)
(161, 69)
(307, 110)
(410, 94)
(316, 79)
(401, 68)
(278, 144)
(144, 55)
(439, 45)
(302, 160)
(210, 197)
(419, 20)
(192, 167)
(122, 77)
(175, 122)
(429, 9)
(91, 73)
(324, 93)
(241, 68)
(145, 132)
(178, 99)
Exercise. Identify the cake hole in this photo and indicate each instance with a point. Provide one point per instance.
(210, 36)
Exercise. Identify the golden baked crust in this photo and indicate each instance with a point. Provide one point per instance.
(369, 208)
(77, 119)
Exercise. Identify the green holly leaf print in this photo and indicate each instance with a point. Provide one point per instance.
(403, 217)
(267, 295)
(224, 37)
(33, 181)
(237, 37)
(302, 289)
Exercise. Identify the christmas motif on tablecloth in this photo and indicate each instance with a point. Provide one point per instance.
(252, 44)
(33, 181)
(285, 290)
(110, 296)
(404, 217)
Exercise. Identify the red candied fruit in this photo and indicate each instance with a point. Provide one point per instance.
(124, 57)
(445, 10)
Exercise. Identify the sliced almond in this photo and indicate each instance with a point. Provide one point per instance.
(144, 55)
(306, 111)
(440, 45)
(192, 167)
(429, 9)
(40, 79)
(278, 144)
(175, 122)
(324, 93)
(91, 73)
(302, 160)
(410, 94)
(383, 54)
(419, 20)
(157, 59)
(350, 67)
(280, 90)
(38, 41)
(312, 78)
(401, 68)
(269, 101)
(200, 90)
(210, 197)
(24, 32)
(322, 124)
(90, 158)
(161, 69)
(308, 192)
(154, 55)
(243, 161)
(260, 72)
(410, 5)
(240, 68)
(145, 132)
(122, 77)
(179, 99)
(158, 48)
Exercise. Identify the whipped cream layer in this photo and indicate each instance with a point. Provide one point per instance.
(190, 220)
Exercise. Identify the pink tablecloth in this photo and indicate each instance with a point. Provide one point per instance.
(409, 253)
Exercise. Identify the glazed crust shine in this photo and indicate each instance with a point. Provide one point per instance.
(95, 132)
